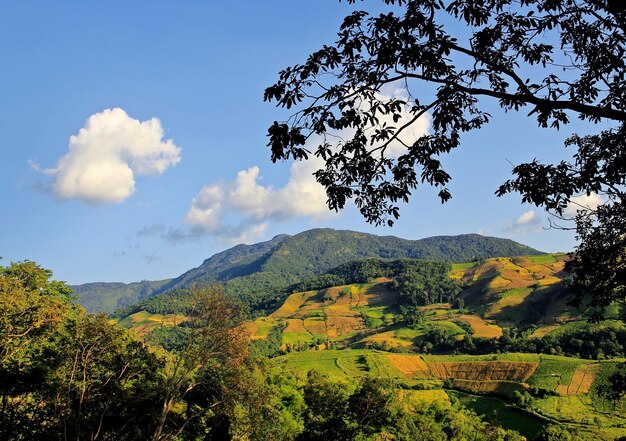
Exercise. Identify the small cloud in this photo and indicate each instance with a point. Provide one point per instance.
(256, 204)
(583, 202)
(107, 154)
(151, 258)
(174, 235)
(484, 231)
(527, 222)
(528, 218)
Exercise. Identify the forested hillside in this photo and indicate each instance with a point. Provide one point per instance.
(255, 273)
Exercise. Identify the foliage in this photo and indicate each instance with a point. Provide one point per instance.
(425, 284)
(590, 342)
(615, 388)
(198, 376)
(66, 374)
(371, 412)
(338, 87)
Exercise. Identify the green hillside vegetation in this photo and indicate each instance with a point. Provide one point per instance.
(106, 297)
(255, 273)
(494, 336)
(408, 305)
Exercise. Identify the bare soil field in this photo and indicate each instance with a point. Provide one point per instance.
(410, 365)
(481, 328)
(500, 387)
(517, 371)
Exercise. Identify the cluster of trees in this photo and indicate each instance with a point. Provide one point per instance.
(426, 284)
(589, 342)
(366, 270)
(371, 412)
(66, 374)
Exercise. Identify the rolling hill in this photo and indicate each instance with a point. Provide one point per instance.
(256, 272)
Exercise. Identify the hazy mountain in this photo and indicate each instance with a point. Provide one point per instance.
(255, 273)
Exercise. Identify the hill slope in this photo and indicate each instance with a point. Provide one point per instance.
(256, 272)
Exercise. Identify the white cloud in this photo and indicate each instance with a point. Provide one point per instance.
(527, 222)
(106, 155)
(245, 196)
(529, 217)
(583, 203)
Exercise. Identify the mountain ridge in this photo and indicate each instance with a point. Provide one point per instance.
(254, 272)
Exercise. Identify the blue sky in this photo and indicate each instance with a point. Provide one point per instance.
(187, 80)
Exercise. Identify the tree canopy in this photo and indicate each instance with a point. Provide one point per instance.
(554, 59)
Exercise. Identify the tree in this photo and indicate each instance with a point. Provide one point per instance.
(66, 374)
(200, 375)
(554, 59)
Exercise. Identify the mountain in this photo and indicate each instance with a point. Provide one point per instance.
(256, 273)
(108, 296)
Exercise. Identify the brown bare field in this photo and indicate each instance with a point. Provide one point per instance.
(481, 328)
(333, 293)
(342, 324)
(388, 337)
(293, 303)
(315, 325)
(518, 371)
(582, 379)
(295, 325)
(409, 364)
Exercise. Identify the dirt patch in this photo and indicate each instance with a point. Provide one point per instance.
(518, 371)
(295, 326)
(315, 325)
(481, 328)
(340, 324)
(582, 379)
(409, 365)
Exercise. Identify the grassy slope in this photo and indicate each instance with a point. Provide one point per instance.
(498, 292)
